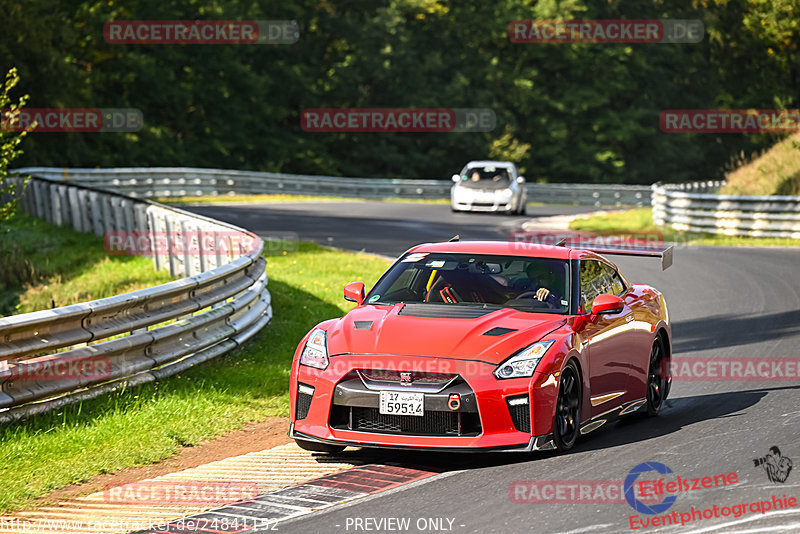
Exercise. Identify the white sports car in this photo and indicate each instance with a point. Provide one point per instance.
(493, 186)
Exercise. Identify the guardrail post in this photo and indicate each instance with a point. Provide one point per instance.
(50, 207)
(117, 215)
(190, 254)
(172, 236)
(95, 208)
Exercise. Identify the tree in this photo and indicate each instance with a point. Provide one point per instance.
(9, 143)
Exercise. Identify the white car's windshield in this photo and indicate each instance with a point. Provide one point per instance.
(486, 175)
(527, 284)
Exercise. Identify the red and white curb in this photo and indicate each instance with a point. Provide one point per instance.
(267, 511)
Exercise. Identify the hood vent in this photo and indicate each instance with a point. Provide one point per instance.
(362, 325)
(499, 331)
(444, 311)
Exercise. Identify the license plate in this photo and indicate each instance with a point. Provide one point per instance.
(399, 403)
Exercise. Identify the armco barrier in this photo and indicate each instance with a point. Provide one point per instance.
(182, 182)
(139, 336)
(696, 207)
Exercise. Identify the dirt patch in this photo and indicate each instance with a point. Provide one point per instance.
(252, 438)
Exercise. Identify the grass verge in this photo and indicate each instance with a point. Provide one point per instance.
(775, 172)
(44, 266)
(149, 423)
(641, 220)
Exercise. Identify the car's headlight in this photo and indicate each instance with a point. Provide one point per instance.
(315, 353)
(524, 362)
(505, 193)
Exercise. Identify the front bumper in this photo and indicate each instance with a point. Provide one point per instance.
(536, 443)
(484, 421)
(485, 207)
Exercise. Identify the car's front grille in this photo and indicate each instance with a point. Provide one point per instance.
(520, 411)
(430, 424)
(378, 379)
(303, 402)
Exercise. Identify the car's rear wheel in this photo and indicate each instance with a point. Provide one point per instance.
(656, 378)
(566, 426)
(314, 446)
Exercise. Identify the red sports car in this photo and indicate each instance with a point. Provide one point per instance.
(483, 346)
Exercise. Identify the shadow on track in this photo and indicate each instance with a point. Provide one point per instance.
(730, 330)
(677, 414)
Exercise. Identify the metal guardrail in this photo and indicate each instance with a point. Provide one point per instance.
(182, 182)
(696, 207)
(53, 357)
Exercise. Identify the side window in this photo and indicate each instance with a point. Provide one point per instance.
(598, 278)
(591, 274)
(615, 283)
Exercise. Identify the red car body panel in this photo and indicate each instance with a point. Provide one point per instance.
(611, 351)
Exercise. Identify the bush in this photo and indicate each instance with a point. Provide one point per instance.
(9, 146)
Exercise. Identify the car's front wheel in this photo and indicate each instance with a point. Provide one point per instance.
(566, 426)
(314, 446)
(656, 379)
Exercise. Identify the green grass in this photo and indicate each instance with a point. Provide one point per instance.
(219, 199)
(44, 266)
(150, 423)
(641, 220)
(775, 172)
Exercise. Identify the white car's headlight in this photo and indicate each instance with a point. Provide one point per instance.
(524, 362)
(315, 353)
(462, 194)
(505, 194)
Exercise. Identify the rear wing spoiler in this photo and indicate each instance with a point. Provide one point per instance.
(666, 253)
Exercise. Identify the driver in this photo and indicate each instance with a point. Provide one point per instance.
(543, 280)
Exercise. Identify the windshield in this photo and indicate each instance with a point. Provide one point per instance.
(485, 175)
(526, 284)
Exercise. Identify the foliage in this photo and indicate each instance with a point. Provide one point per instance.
(565, 112)
(9, 145)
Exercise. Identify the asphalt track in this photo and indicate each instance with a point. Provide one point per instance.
(724, 303)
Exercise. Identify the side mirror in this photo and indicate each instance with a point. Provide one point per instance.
(354, 292)
(607, 304)
(520, 179)
(456, 178)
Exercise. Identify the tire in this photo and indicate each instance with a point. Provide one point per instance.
(656, 378)
(524, 208)
(314, 446)
(567, 420)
